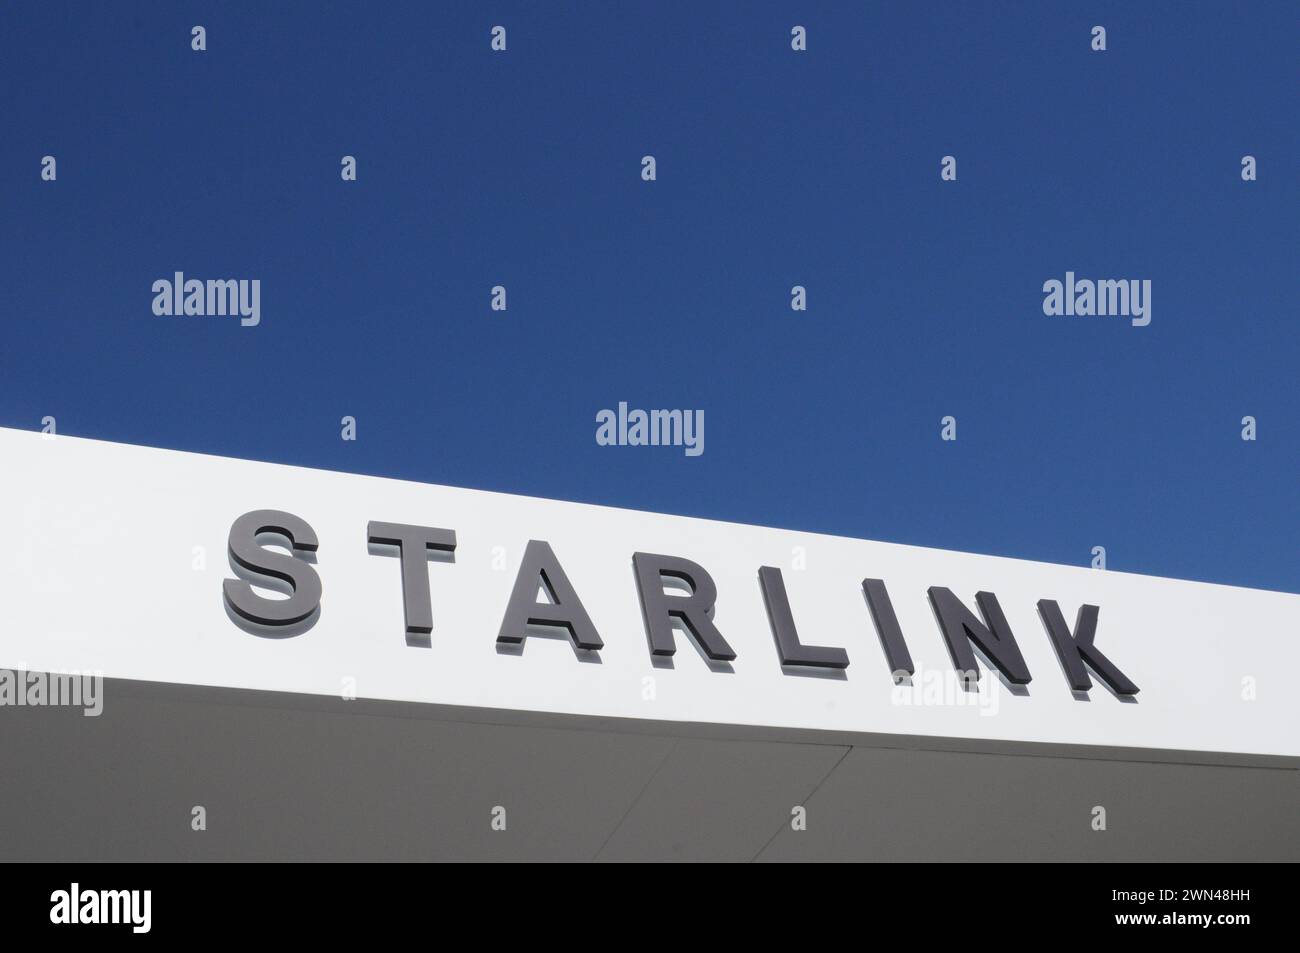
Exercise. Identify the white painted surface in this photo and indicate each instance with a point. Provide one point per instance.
(96, 550)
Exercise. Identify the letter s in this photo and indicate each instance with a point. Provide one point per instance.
(247, 554)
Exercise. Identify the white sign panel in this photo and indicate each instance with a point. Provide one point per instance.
(115, 559)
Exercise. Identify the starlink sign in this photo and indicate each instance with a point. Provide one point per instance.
(180, 568)
(540, 572)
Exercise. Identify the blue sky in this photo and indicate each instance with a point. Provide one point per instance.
(774, 169)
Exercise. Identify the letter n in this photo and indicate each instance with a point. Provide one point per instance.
(993, 636)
